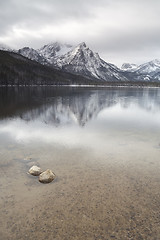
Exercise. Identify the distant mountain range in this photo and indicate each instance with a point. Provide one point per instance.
(81, 61)
(149, 71)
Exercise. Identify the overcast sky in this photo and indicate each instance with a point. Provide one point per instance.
(119, 30)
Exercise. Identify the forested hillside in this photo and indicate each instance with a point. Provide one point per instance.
(18, 70)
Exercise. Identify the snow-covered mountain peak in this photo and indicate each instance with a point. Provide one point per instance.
(52, 50)
(155, 62)
(82, 45)
(80, 54)
(27, 50)
(144, 72)
(128, 66)
(83, 61)
(32, 54)
(149, 67)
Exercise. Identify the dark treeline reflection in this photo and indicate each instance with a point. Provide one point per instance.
(65, 104)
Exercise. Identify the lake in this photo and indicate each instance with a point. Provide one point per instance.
(103, 144)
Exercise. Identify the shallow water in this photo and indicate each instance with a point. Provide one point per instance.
(104, 147)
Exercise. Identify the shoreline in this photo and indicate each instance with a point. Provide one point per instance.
(133, 85)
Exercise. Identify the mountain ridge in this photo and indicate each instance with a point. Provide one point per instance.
(78, 59)
(81, 60)
(147, 71)
(16, 69)
(84, 61)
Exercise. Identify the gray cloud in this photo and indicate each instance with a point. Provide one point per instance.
(118, 29)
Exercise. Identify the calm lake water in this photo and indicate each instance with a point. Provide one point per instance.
(104, 147)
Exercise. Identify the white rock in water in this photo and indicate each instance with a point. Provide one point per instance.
(46, 176)
(35, 171)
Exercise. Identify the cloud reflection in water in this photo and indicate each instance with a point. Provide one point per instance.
(85, 118)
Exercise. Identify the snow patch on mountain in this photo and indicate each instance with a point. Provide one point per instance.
(149, 71)
(149, 67)
(78, 60)
(83, 61)
(52, 50)
(129, 67)
(32, 54)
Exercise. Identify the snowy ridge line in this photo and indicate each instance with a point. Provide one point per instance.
(83, 61)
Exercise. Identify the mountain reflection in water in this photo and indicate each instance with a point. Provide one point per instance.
(87, 117)
(103, 145)
(61, 106)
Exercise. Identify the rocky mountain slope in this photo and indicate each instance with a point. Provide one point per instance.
(149, 71)
(16, 69)
(33, 55)
(129, 66)
(81, 60)
(75, 59)
(52, 50)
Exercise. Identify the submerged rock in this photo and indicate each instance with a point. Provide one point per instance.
(35, 170)
(27, 159)
(46, 176)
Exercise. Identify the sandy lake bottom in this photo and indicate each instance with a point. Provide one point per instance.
(113, 195)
